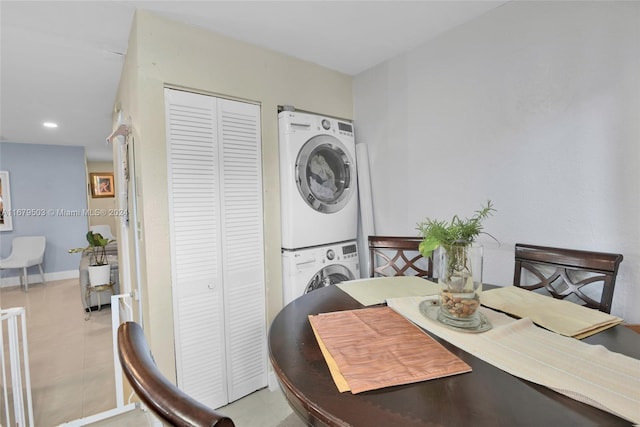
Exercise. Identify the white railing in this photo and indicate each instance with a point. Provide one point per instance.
(121, 311)
(19, 375)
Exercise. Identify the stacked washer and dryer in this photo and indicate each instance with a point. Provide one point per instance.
(319, 202)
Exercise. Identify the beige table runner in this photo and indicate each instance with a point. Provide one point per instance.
(376, 347)
(587, 373)
(376, 290)
(563, 317)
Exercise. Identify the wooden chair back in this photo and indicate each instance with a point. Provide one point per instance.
(565, 272)
(160, 395)
(397, 256)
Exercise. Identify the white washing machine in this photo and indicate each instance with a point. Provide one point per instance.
(305, 270)
(318, 180)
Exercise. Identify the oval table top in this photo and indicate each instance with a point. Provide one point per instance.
(487, 396)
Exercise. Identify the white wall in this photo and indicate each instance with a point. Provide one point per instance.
(536, 106)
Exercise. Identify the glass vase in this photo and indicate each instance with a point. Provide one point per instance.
(460, 284)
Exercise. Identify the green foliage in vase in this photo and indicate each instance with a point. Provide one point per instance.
(97, 247)
(457, 232)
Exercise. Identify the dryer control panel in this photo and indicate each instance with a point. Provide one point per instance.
(333, 125)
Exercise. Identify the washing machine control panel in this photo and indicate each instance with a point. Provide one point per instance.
(345, 252)
(349, 251)
(345, 129)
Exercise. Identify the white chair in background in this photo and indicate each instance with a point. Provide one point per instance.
(103, 230)
(26, 251)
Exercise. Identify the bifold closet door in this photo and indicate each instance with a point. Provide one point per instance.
(215, 204)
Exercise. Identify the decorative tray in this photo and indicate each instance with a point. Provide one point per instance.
(430, 308)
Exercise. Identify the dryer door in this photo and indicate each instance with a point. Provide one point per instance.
(324, 174)
(329, 275)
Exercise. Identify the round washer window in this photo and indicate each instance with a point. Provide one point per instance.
(329, 275)
(323, 170)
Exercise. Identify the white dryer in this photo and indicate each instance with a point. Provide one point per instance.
(305, 270)
(318, 180)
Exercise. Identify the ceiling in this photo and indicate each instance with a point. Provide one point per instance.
(61, 61)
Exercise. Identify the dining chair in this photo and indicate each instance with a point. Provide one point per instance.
(397, 256)
(585, 277)
(159, 394)
(26, 251)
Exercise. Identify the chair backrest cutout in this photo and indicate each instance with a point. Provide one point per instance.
(397, 256)
(568, 273)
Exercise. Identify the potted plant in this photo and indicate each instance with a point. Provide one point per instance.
(99, 268)
(459, 292)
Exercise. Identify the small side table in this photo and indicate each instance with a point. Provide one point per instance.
(100, 288)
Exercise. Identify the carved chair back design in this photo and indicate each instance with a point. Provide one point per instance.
(567, 272)
(397, 256)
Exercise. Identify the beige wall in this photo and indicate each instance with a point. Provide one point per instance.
(104, 205)
(165, 53)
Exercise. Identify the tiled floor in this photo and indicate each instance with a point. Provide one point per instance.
(260, 409)
(71, 363)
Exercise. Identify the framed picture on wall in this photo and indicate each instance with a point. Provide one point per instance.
(6, 217)
(102, 184)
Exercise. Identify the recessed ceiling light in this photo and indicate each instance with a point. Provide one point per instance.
(50, 125)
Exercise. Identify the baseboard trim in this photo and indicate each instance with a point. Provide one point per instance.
(101, 416)
(6, 282)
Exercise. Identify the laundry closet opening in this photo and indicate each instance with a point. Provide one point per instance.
(318, 202)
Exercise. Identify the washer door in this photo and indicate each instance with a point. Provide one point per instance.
(323, 174)
(329, 275)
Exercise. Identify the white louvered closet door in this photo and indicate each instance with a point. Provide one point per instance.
(215, 204)
(243, 248)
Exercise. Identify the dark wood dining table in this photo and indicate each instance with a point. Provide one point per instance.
(487, 396)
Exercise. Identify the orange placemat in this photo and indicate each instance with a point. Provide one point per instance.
(376, 347)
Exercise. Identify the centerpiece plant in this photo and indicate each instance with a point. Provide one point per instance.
(457, 232)
(459, 293)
